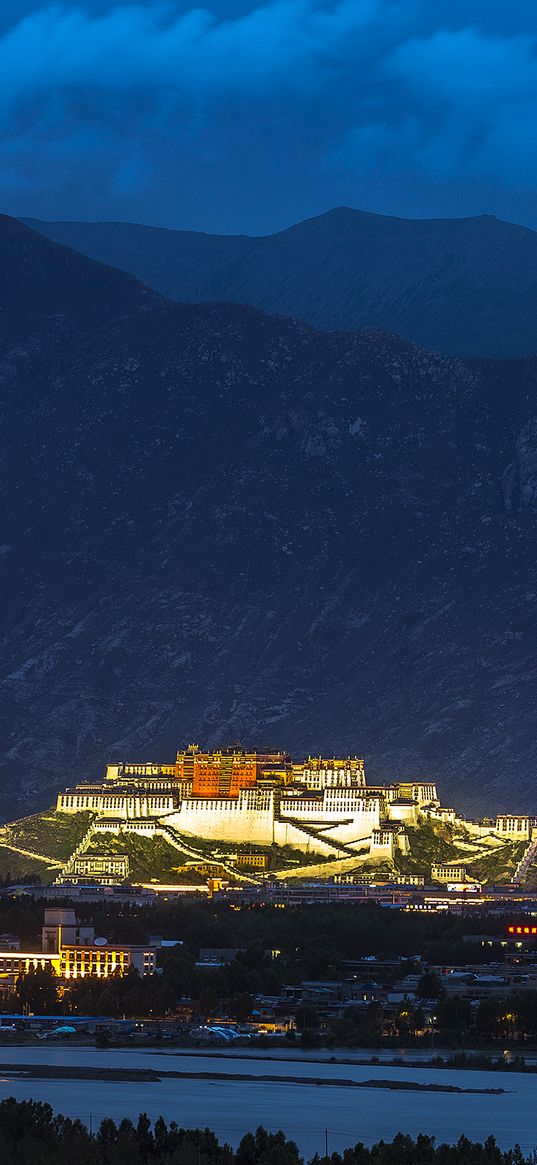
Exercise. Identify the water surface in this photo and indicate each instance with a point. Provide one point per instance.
(232, 1107)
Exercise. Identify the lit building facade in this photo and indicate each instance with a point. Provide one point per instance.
(72, 952)
(319, 772)
(516, 828)
(106, 869)
(448, 872)
(225, 772)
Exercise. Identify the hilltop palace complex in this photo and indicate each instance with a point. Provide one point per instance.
(319, 806)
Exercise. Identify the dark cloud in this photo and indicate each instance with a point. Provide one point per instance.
(244, 116)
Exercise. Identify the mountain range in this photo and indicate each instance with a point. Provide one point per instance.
(464, 287)
(219, 524)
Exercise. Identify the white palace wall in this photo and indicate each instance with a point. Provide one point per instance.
(249, 817)
(254, 816)
(284, 833)
(259, 816)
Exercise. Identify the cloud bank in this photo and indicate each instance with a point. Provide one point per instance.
(247, 116)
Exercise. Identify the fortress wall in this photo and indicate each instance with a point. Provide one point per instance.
(407, 813)
(250, 817)
(243, 819)
(284, 834)
(78, 802)
(514, 827)
(475, 828)
(360, 827)
(383, 845)
(144, 827)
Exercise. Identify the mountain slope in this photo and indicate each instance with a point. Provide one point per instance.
(459, 286)
(218, 524)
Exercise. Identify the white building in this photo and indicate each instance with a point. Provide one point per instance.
(516, 828)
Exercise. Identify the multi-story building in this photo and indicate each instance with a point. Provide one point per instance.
(72, 951)
(252, 861)
(148, 770)
(516, 828)
(318, 772)
(106, 869)
(124, 801)
(448, 872)
(226, 772)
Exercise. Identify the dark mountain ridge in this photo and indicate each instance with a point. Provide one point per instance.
(459, 286)
(218, 524)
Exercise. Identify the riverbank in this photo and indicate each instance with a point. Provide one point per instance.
(148, 1076)
(507, 1061)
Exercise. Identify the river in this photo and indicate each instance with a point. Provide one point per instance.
(304, 1111)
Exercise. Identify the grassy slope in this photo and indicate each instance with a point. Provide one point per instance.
(498, 866)
(155, 858)
(53, 835)
(149, 858)
(445, 843)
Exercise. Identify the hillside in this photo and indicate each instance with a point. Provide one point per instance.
(41, 844)
(460, 286)
(217, 524)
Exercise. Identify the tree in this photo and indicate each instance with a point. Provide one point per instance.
(453, 1015)
(240, 1006)
(409, 1019)
(307, 1017)
(37, 991)
(430, 986)
(208, 1001)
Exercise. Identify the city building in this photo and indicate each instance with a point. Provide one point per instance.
(251, 861)
(73, 951)
(448, 872)
(516, 828)
(106, 869)
(318, 772)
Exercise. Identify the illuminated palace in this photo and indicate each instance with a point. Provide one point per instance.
(321, 805)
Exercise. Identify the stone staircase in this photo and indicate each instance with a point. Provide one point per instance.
(67, 869)
(341, 849)
(525, 862)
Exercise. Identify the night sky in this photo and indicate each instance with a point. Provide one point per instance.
(237, 115)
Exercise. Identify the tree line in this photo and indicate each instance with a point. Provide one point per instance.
(32, 1134)
(318, 937)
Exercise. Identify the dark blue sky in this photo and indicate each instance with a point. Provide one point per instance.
(237, 115)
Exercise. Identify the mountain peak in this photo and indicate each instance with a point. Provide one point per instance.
(463, 286)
